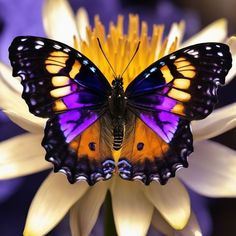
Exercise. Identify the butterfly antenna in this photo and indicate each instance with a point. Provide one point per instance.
(100, 46)
(131, 59)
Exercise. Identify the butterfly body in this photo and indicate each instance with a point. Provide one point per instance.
(89, 118)
(118, 110)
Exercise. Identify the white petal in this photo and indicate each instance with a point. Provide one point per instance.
(132, 211)
(232, 44)
(82, 21)
(13, 105)
(84, 214)
(212, 170)
(161, 225)
(192, 228)
(172, 201)
(59, 21)
(34, 125)
(50, 204)
(6, 76)
(22, 155)
(220, 121)
(215, 32)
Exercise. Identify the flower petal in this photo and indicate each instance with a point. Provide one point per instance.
(22, 155)
(215, 32)
(176, 31)
(50, 204)
(13, 105)
(223, 118)
(132, 212)
(212, 170)
(82, 21)
(172, 201)
(192, 228)
(59, 21)
(84, 214)
(232, 44)
(161, 225)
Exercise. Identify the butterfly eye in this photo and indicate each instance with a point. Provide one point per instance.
(92, 146)
(140, 146)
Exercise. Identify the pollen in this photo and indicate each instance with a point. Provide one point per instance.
(119, 46)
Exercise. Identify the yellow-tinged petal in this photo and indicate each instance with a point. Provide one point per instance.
(192, 228)
(50, 204)
(22, 155)
(59, 21)
(82, 21)
(215, 32)
(212, 170)
(84, 214)
(232, 45)
(161, 225)
(176, 31)
(220, 121)
(132, 211)
(172, 201)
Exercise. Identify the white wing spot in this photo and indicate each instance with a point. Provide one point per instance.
(153, 69)
(38, 46)
(208, 48)
(40, 42)
(172, 57)
(66, 50)
(24, 39)
(56, 46)
(217, 45)
(220, 54)
(20, 48)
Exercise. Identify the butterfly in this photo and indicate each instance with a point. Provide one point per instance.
(89, 118)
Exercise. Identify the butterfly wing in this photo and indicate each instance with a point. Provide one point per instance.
(164, 98)
(63, 85)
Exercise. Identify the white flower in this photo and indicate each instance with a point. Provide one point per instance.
(212, 169)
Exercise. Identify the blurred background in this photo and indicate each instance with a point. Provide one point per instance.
(216, 216)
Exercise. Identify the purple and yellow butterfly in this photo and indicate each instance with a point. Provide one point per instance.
(149, 122)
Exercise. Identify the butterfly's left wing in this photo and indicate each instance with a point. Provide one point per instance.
(63, 85)
(164, 98)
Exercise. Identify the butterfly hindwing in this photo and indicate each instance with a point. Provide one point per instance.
(147, 157)
(87, 156)
(166, 96)
(63, 85)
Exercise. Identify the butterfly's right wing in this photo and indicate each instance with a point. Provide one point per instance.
(63, 85)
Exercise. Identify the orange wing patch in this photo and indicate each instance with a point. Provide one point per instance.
(90, 144)
(185, 67)
(56, 61)
(166, 74)
(144, 144)
(75, 69)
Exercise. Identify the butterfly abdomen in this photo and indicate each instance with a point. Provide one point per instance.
(118, 134)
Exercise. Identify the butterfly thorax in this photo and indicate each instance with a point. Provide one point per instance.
(117, 106)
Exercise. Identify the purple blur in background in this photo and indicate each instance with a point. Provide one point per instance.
(24, 18)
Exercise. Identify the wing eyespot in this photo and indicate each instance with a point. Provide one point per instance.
(92, 146)
(140, 146)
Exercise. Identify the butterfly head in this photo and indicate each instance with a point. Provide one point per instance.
(117, 82)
